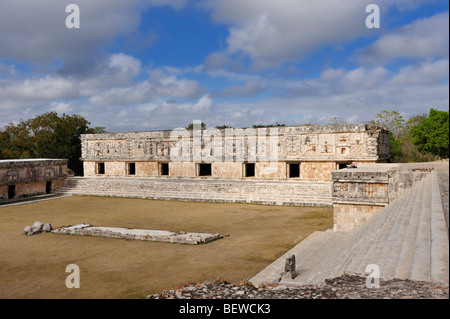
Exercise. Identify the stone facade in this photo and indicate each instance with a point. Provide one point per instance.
(278, 166)
(297, 152)
(22, 178)
(358, 194)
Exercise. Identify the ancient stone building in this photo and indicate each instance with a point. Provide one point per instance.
(358, 194)
(293, 152)
(29, 177)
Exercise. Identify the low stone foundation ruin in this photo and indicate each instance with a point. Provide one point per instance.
(138, 234)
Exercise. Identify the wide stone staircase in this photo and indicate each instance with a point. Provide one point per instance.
(406, 239)
(272, 192)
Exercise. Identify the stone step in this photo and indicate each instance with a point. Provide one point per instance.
(196, 195)
(315, 255)
(421, 265)
(354, 251)
(403, 269)
(391, 231)
(184, 192)
(357, 244)
(392, 248)
(343, 255)
(272, 273)
(390, 243)
(439, 235)
(369, 250)
(407, 239)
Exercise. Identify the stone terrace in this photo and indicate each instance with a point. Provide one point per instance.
(271, 192)
(408, 239)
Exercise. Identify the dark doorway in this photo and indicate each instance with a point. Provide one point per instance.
(343, 165)
(11, 191)
(48, 187)
(101, 168)
(250, 170)
(204, 170)
(294, 170)
(131, 168)
(164, 169)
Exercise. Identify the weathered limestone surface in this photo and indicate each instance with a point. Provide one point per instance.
(277, 166)
(29, 177)
(407, 239)
(272, 192)
(37, 228)
(359, 193)
(138, 234)
(318, 149)
(31, 170)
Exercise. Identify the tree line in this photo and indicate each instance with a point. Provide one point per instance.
(423, 137)
(47, 136)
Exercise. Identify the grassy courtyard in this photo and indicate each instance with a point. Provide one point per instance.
(34, 266)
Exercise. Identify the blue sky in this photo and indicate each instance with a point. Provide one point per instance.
(160, 64)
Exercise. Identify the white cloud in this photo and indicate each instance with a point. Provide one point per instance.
(249, 88)
(61, 107)
(158, 85)
(112, 84)
(170, 86)
(421, 39)
(274, 31)
(270, 32)
(356, 79)
(48, 87)
(355, 95)
(427, 72)
(113, 93)
(125, 65)
(203, 104)
(35, 31)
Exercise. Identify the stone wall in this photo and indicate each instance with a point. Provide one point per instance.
(359, 193)
(318, 149)
(317, 170)
(280, 165)
(271, 192)
(21, 178)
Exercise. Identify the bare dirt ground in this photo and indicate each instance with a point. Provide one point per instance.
(34, 266)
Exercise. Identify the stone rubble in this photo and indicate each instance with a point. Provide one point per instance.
(37, 228)
(344, 287)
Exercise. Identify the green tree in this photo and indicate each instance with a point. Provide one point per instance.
(269, 125)
(222, 127)
(190, 127)
(431, 134)
(395, 124)
(391, 121)
(409, 152)
(98, 130)
(395, 149)
(47, 136)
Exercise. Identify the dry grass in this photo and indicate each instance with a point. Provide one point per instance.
(34, 266)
